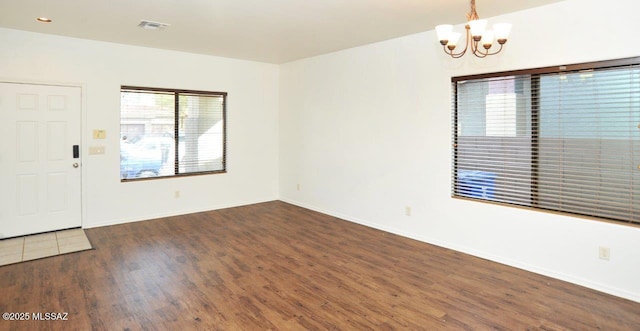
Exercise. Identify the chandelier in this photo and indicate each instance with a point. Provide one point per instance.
(479, 39)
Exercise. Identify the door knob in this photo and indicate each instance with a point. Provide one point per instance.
(75, 165)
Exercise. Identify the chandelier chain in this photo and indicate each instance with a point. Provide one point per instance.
(473, 14)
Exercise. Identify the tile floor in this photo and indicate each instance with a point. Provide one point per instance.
(42, 245)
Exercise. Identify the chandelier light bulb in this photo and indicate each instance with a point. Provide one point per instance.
(477, 28)
(502, 31)
(444, 31)
(453, 40)
(487, 39)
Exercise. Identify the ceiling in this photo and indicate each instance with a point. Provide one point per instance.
(273, 31)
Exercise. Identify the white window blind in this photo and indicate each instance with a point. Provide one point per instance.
(564, 138)
(168, 132)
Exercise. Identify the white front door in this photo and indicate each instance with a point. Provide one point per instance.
(41, 177)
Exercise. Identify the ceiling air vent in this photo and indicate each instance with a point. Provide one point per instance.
(151, 25)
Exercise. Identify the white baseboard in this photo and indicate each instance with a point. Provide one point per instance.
(460, 248)
(174, 213)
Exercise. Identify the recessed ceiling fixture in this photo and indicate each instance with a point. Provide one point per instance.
(151, 25)
(44, 20)
(478, 38)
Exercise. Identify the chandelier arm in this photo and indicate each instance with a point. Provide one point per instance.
(467, 38)
(466, 46)
(455, 55)
(477, 52)
(496, 52)
(480, 54)
(451, 53)
(474, 47)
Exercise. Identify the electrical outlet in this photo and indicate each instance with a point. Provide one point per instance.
(298, 187)
(407, 210)
(176, 194)
(604, 253)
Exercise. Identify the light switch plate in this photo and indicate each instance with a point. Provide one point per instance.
(99, 134)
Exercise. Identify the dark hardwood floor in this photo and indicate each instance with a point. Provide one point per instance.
(274, 266)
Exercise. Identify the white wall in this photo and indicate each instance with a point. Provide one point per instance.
(101, 68)
(366, 132)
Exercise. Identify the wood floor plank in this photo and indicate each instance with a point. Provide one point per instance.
(275, 266)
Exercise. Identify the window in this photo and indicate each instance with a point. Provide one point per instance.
(562, 138)
(165, 133)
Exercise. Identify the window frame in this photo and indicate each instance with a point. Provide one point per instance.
(536, 74)
(176, 109)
